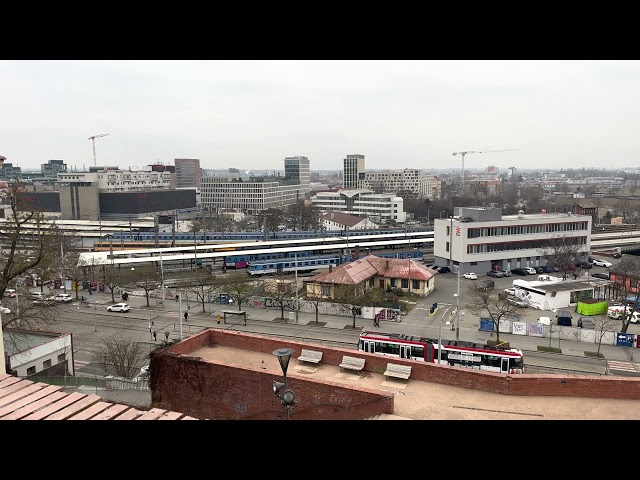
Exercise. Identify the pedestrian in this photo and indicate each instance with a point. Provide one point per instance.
(155, 334)
(166, 335)
(149, 326)
(90, 291)
(186, 316)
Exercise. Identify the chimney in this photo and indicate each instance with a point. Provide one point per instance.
(330, 268)
(386, 267)
(356, 253)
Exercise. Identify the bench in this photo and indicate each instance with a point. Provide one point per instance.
(310, 356)
(398, 371)
(352, 363)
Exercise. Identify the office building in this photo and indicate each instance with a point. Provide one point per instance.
(407, 183)
(353, 171)
(379, 207)
(188, 172)
(482, 239)
(296, 170)
(52, 168)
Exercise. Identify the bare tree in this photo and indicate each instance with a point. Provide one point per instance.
(201, 283)
(238, 285)
(280, 288)
(563, 252)
(484, 302)
(603, 324)
(148, 278)
(121, 355)
(358, 296)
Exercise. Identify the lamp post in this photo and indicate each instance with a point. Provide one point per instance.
(162, 281)
(286, 396)
(296, 271)
(457, 295)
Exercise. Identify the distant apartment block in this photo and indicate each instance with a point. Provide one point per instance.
(52, 168)
(188, 172)
(256, 193)
(407, 183)
(353, 171)
(8, 171)
(380, 208)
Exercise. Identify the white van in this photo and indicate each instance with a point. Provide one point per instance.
(618, 311)
(548, 278)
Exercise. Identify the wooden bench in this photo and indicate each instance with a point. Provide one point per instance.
(398, 371)
(310, 356)
(352, 363)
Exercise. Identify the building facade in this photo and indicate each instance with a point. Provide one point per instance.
(345, 221)
(407, 183)
(353, 170)
(255, 193)
(188, 172)
(482, 239)
(381, 208)
(53, 167)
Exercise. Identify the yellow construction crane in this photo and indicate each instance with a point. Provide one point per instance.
(93, 139)
(478, 151)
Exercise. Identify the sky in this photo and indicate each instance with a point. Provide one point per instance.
(252, 114)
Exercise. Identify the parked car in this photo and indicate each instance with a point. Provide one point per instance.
(530, 270)
(601, 263)
(470, 276)
(36, 295)
(604, 276)
(4, 309)
(44, 301)
(10, 292)
(119, 307)
(584, 265)
(506, 273)
(63, 297)
(444, 269)
(519, 271)
(142, 375)
(510, 291)
(617, 255)
(487, 285)
(564, 317)
(518, 302)
(586, 322)
(549, 269)
(495, 273)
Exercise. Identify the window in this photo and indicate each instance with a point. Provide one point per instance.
(31, 370)
(404, 283)
(46, 363)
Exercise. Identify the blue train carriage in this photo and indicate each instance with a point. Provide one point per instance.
(243, 261)
(288, 265)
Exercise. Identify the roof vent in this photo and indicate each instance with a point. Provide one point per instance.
(520, 213)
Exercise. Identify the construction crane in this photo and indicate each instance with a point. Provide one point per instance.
(93, 139)
(478, 151)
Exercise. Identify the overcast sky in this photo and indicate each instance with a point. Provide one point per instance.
(252, 114)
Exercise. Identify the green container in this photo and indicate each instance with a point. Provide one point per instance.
(592, 308)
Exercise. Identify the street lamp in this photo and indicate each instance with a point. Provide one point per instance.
(457, 295)
(286, 396)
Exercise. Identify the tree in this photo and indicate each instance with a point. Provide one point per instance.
(358, 296)
(271, 219)
(121, 355)
(201, 283)
(303, 215)
(146, 277)
(237, 285)
(603, 324)
(115, 276)
(280, 288)
(563, 252)
(483, 302)
(315, 300)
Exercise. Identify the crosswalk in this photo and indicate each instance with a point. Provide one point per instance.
(78, 364)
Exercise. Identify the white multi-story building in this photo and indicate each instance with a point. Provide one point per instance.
(256, 193)
(482, 239)
(408, 183)
(353, 170)
(381, 208)
(121, 180)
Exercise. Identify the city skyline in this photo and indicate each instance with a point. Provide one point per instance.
(253, 114)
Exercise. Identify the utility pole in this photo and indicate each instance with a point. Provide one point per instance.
(477, 151)
(93, 139)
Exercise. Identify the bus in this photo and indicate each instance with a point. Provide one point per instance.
(450, 352)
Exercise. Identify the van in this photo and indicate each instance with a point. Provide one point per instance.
(564, 317)
(486, 285)
(36, 296)
(548, 278)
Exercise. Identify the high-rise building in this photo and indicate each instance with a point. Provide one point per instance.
(53, 167)
(353, 170)
(296, 170)
(188, 172)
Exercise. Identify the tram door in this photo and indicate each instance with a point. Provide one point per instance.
(504, 365)
(405, 351)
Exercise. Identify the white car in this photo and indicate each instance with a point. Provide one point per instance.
(10, 292)
(63, 297)
(119, 307)
(601, 263)
(4, 310)
(470, 276)
(510, 291)
(530, 270)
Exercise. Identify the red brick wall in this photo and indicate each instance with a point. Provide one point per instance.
(206, 389)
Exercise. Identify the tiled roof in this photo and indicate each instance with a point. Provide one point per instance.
(370, 266)
(22, 399)
(343, 218)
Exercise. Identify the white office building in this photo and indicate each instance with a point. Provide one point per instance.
(482, 239)
(353, 170)
(408, 183)
(380, 208)
(256, 193)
